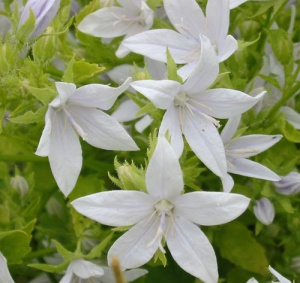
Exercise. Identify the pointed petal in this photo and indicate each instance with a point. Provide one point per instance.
(157, 69)
(4, 272)
(143, 123)
(126, 111)
(163, 176)
(278, 276)
(292, 116)
(65, 90)
(154, 43)
(171, 123)
(230, 129)
(252, 280)
(224, 103)
(120, 73)
(97, 95)
(122, 50)
(67, 278)
(249, 168)
(289, 184)
(205, 141)
(65, 155)
(44, 144)
(115, 208)
(106, 22)
(227, 48)
(101, 130)
(227, 183)
(85, 269)
(186, 16)
(251, 145)
(161, 93)
(133, 249)
(210, 208)
(206, 71)
(185, 71)
(217, 17)
(234, 3)
(192, 250)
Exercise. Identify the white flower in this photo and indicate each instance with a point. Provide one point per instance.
(278, 276)
(80, 270)
(235, 3)
(190, 108)
(44, 11)
(77, 112)
(185, 45)
(252, 280)
(5, 276)
(264, 211)
(289, 184)
(132, 17)
(239, 149)
(164, 213)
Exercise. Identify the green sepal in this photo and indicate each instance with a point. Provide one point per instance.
(67, 255)
(50, 268)
(160, 256)
(172, 69)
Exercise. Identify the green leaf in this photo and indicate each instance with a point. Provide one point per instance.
(45, 95)
(172, 68)
(27, 28)
(83, 70)
(97, 250)
(288, 130)
(244, 44)
(281, 45)
(68, 76)
(237, 245)
(2, 113)
(286, 205)
(50, 268)
(30, 117)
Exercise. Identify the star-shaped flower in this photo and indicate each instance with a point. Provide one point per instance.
(164, 213)
(190, 108)
(132, 17)
(77, 112)
(239, 149)
(185, 45)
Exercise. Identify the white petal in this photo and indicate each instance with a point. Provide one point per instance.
(234, 3)
(157, 70)
(85, 269)
(224, 103)
(186, 16)
(101, 130)
(227, 48)
(97, 95)
(292, 116)
(171, 124)
(205, 141)
(67, 278)
(210, 208)
(249, 168)
(5, 276)
(185, 71)
(161, 93)
(206, 70)
(44, 144)
(65, 155)
(163, 176)
(65, 90)
(251, 145)
(120, 73)
(154, 44)
(192, 250)
(227, 183)
(278, 276)
(133, 249)
(122, 50)
(143, 123)
(230, 129)
(126, 111)
(116, 208)
(264, 211)
(252, 280)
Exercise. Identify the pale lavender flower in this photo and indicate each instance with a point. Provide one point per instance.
(5, 276)
(164, 213)
(289, 184)
(79, 112)
(264, 211)
(278, 276)
(44, 11)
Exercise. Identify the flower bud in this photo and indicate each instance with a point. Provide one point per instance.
(20, 184)
(44, 11)
(289, 184)
(264, 211)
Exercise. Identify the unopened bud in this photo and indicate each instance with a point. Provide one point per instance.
(264, 211)
(20, 184)
(289, 184)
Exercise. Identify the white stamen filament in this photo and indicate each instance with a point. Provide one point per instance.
(240, 152)
(76, 127)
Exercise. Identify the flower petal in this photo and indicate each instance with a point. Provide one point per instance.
(251, 145)
(65, 155)
(163, 176)
(192, 250)
(143, 123)
(161, 93)
(227, 183)
(97, 95)
(44, 144)
(186, 16)
(65, 90)
(210, 208)
(234, 3)
(249, 168)
(230, 129)
(227, 48)
(292, 116)
(224, 103)
(85, 269)
(252, 280)
(157, 69)
(126, 111)
(101, 130)
(116, 208)
(278, 276)
(129, 275)
(135, 247)
(4, 272)
(205, 141)
(154, 44)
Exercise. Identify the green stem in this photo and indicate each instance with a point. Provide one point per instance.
(41, 253)
(22, 158)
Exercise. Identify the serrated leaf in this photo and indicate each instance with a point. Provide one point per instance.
(97, 250)
(30, 117)
(237, 245)
(45, 95)
(83, 70)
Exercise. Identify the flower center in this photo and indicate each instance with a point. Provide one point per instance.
(180, 99)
